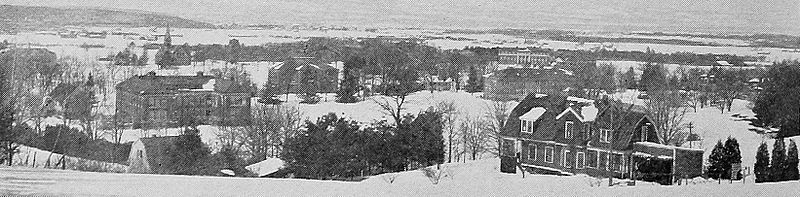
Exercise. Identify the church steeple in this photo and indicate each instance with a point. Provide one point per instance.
(167, 38)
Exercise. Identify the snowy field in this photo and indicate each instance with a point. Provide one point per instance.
(475, 178)
(113, 43)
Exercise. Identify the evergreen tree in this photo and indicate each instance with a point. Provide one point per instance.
(473, 82)
(792, 161)
(654, 77)
(629, 79)
(761, 168)
(778, 160)
(133, 60)
(733, 155)
(778, 103)
(8, 135)
(716, 161)
(349, 86)
(143, 59)
(268, 93)
(308, 85)
(188, 154)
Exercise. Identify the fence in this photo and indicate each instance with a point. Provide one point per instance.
(36, 158)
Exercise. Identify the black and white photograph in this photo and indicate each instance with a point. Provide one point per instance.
(399, 98)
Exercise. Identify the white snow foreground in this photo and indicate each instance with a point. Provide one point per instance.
(475, 178)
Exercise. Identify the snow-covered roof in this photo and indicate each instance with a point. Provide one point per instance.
(754, 80)
(566, 72)
(210, 84)
(662, 146)
(534, 114)
(723, 63)
(589, 113)
(579, 100)
(278, 66)
(303, 66)
(569, 109)
(266, 167)
(540, 95)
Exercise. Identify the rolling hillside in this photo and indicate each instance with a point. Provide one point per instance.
(39, 18)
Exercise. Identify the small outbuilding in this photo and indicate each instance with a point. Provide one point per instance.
(150, 155)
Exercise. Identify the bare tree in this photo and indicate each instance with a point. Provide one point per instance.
(449, 114)
(666, 110)
(269, 129)
(497, 112)
(476, 135)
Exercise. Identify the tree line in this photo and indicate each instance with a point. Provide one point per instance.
(781, 167)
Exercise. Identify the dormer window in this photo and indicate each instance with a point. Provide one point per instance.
(644, 132)
(524, 126)
(568, 130)
(605, 135)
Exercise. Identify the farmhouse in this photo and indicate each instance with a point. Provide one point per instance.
(150, 155)
(567, 135)
(159, 101)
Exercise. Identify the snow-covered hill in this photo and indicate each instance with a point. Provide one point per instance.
(475, 178)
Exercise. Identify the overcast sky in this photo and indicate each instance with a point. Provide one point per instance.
(712, 16)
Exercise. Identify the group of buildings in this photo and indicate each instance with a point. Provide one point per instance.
(550, 132)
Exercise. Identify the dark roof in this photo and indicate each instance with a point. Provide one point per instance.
(153, 84)
(548, 102)
(548, 127)
(157, 149)
(627, 117)
(61, 91)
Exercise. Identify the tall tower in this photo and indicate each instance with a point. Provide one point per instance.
(167, 38)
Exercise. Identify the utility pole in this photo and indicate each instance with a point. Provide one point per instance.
(691, 125)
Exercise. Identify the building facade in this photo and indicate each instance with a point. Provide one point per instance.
(288, 76)
(516, 83)
(567, 135)
(152, 101)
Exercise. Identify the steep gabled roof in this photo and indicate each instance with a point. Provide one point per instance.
(61, 91)
(626, 118)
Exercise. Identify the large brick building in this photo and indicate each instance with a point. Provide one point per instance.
(522, 72)
(516, 83)
(288, 75)
(568, 135)
(152, 101)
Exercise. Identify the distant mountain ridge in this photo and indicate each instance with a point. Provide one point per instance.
(37, 18)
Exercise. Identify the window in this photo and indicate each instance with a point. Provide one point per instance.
(617, 162)
(565, 155)
(644, 133)
(605, 135)
(580, 160)
(548, 154)
(587, 131)
(591, 159)
(568, 129)
(531, 152)
(139, 153)
(524, 125)
(530, 126)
